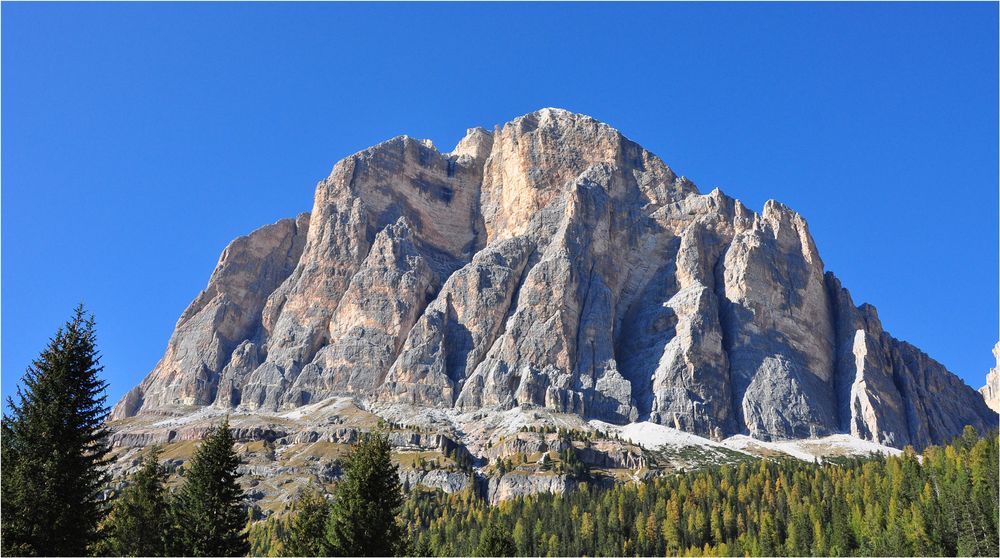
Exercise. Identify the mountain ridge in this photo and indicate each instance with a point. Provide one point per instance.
(553, 263)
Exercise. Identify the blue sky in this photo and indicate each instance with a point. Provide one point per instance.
(139, 139)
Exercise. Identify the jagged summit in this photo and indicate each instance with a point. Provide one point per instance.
(550, 263)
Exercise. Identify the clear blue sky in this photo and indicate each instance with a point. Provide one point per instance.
(138, 140)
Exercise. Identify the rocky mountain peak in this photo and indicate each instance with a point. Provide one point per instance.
(476, 145)
(554, 264)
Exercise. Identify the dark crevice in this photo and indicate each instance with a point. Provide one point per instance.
(737, 424)
(638, 350)
(584, 306)
(841, 383)
(905, 394)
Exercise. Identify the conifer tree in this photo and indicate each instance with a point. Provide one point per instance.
(308, 525)
(208, 516)
(139, 523)
(363, 520)
(495, 541)
(55, 447)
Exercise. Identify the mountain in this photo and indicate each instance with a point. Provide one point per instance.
(550, 264)
(991, 391)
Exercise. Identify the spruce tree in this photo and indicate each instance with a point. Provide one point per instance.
(208, 516)
(55, 448)
(363, 520)
(139, 523)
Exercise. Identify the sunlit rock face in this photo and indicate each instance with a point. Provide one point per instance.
(554, 263)
(216, 338)
(991, 391)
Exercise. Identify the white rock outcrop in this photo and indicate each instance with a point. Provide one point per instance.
(991, 391)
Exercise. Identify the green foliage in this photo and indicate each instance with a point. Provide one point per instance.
(208, 512)
(269, 537)
(496, 540)
(307, 529)
(569, 461)
(139, 522)
(941, 503)
(944, 503)
(54, 448)
(362, 520)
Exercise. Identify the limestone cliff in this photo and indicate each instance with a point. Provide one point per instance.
(553, 263)
(218, 335)
(991, 391)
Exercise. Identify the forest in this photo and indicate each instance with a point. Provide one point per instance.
(940, 502)
(60, 500)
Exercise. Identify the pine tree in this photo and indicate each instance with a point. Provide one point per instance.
(308, 525)
(363, 520)
(55, 447)
(208, 515)
(139, 523)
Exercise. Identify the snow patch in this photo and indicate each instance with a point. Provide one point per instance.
(654, 436)
(811, 449)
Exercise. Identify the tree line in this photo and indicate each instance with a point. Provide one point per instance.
(57, 501)
(943, 502)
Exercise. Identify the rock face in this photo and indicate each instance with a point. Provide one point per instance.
(991, 391)
(217, 338)
(512, 485)
(550, 263)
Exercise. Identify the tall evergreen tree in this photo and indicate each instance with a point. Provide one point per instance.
(363, 519)
(139, 523)
(55, 447)
(208, 517)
